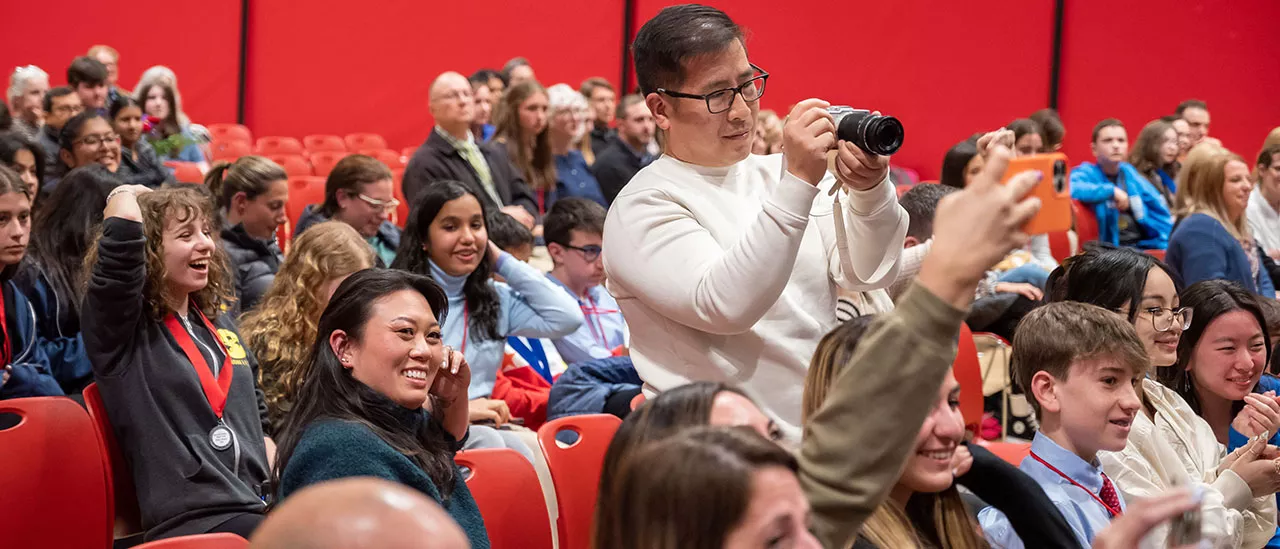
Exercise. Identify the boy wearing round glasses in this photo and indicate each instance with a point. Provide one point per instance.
(573, 230)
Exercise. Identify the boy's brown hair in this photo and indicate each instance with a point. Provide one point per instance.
(1053, 337)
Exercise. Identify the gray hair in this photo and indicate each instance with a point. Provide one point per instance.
(564, 97)
(22, 77)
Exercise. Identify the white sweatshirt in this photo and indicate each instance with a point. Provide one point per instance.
(731, 274)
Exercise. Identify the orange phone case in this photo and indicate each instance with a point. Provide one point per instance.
(1054, 191)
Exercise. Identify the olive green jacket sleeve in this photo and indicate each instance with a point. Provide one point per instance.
(856, 443)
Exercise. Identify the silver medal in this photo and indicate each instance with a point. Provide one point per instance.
(220, 437)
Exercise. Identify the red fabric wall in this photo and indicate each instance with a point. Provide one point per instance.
(198, 40)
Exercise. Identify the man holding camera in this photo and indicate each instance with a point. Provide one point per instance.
(725, 264)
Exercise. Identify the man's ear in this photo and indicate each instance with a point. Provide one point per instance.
(658, 107)
(910, 242)
(1044, 388)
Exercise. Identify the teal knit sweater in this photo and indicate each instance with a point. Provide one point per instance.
(331, 449)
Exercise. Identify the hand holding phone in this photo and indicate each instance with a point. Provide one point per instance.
(1054, 191)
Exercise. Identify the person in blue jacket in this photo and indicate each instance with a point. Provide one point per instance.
(1130, 211)
(26, 368)
(61, 232)
(1212, 239)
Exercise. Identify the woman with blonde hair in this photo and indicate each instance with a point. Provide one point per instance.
(521, 123)
(1212, 239)
(280, 332)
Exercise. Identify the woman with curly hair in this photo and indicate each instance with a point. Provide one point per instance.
(281, 331)
(180, 389)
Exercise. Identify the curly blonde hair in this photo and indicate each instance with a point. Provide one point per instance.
(282, 328)
(177, 204)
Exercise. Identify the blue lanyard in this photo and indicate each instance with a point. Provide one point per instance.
(534, 354)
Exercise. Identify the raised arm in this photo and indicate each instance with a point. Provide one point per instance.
(539, 307)
(114, 302)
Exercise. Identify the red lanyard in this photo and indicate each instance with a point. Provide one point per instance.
(466, 317)
(4, 331)
(596, 327)
(214, 391)
(1114, 512)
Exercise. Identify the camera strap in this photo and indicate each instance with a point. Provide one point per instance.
(842, 238)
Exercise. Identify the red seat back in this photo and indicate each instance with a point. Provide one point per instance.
(202, 541)
(316, 143)
(968, 372)
(575, 472)
(186, 172)
(365, 141)
(1158, 254)
(509, 496)
(303, 191)
(1012, 452)
(230, 150)
(401, 216)
(294, 165)
(322, 162)
(53, 478)
(230, 132)
(1086, 222)
(1060, 245)
(387, 156)
(270, 145)
(122, 501)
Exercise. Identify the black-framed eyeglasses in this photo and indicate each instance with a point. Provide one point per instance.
(1163, 318)
(94, 140)
(589, 253)
(722, 100)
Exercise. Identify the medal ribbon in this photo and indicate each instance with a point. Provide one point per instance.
(214, 391)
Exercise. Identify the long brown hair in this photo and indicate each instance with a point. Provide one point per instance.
(1145, 154)
(537, 164)
(688, 490)
(179, 203)
(281, 329)
(251, 175)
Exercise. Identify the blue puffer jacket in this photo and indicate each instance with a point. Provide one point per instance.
(1090, 186)
(585, 386)
(58, 324)
(30, 375)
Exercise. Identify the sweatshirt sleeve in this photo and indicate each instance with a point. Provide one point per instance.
(1088, 189)
(536, 308)
(661, 254)
(849, 457)
(1201, 257)
(875, 227)
(114, 301)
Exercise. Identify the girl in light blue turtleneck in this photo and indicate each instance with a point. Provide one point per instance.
(446, 239)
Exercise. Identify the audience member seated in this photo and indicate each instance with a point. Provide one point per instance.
(139, 164)
(617, 164)
(60, 105)
(574, 229)
(168, 134)
(360, 193)
(1213, 240)
(497, 83)
(110, 59)
(768, 134)
(1129, 209)
(482, 125)
(961, 164)
(359, 513)
(925, 509)
(52, 278)
(517, 71)
(24, 157)
(1169, 445)
(1196, 113)
(162, 75)
(280, 331)
(1028, 136)
(604, 105)
(192, 437)
(1079, 365)
(1155, 156)
(566, 128)
(27, 88)
(446, 239)
(251, 193)
(1263, 212)
(26, 371)
(88, 78)
(453, 153)
(87, 138)
(384, 397)
(522, 130)
(715, 210)
(1052, 131)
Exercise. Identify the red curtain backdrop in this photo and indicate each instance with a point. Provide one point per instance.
(946, 69)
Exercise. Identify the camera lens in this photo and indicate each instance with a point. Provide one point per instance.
(1059, 176)
(874, 133)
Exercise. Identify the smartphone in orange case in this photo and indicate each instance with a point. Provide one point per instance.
(1054, 191)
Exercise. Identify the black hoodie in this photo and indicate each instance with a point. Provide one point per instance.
(255, 263)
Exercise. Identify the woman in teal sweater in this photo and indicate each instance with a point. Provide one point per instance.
(384, 397)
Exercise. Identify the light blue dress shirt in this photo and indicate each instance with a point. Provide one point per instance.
(603, 329)
(1086, 515)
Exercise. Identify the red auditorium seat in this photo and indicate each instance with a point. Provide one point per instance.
(268, 146)
(1086, 222)
(230, 150)
(322, 162)
(1012, 452)
(510, 498)
(1158, 254)
(186, 172)
(401, 216)
(294, 165)
(52, 477)
(202, 541)
(407, 153)
(122, 498)
(230, 132)
(318, 143)
(575, 471)
(387, 156)
(303, 191)
(365, 141)
(1060, 245)
(968, 371)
